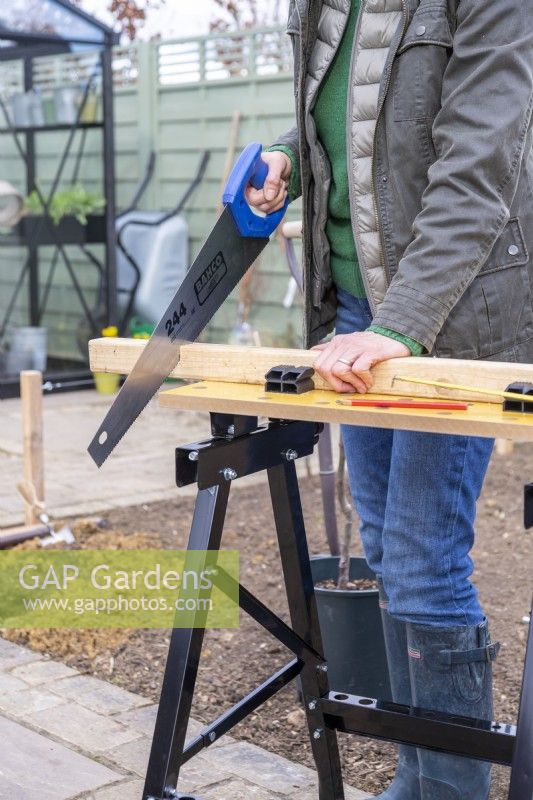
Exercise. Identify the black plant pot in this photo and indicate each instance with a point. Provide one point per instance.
(352, 633)
(38, 230)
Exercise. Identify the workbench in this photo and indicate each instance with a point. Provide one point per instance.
(254, 430)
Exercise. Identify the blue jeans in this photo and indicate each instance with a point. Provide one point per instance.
(415, 494)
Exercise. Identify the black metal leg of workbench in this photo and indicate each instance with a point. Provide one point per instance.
(304, 617)
(182, 661)
(521, 787)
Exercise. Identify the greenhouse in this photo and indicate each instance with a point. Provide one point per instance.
(57, 271)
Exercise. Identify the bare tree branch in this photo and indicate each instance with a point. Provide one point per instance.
(347, 510)
(130, 14)
(235, 15)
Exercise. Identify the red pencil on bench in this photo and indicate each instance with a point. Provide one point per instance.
(424, 404)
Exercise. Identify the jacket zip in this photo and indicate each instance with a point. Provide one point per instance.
(353, 211)
(319, 282)
(380, 109)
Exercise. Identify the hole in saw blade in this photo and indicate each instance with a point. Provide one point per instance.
(102, 439)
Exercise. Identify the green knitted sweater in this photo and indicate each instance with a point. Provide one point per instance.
(330, 115)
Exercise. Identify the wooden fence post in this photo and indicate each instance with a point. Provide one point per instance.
(32, 429)
(504, 447)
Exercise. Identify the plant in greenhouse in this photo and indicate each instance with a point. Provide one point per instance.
(74, 201)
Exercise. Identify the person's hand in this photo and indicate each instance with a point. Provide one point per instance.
(272, 196)
(346, 360)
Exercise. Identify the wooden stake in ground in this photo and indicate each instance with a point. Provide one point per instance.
(32, 429)
(504, 447)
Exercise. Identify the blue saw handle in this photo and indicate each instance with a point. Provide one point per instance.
(250, 168)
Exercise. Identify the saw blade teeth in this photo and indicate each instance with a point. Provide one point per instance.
(217, 269)
(97, 449)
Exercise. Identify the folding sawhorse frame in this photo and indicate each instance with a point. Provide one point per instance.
(240, 446)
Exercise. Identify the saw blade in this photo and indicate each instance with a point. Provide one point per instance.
(221, 263)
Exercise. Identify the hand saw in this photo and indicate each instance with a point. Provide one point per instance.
(233, 245)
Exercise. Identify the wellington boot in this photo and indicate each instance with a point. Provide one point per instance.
(406, 784)
(451, 671)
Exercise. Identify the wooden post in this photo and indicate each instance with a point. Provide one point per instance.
(504, 447)
(230, 156)
(292, 230)
(32, 429)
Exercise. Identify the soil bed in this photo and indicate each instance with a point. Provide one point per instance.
(234, 661)
(361, 584)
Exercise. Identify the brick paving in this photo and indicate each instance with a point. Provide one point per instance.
(67, 736)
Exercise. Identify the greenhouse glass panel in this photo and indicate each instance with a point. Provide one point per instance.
(58, 273)
(49, 18)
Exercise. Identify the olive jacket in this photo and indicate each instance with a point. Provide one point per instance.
(440, 163)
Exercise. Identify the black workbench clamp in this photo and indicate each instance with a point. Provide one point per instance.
(524, 389)
(288, 379)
